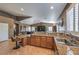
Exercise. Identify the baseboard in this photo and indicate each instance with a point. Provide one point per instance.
(3, 41)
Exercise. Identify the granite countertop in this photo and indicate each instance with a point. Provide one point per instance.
(64, 49)
(23, 36)
(43, 35)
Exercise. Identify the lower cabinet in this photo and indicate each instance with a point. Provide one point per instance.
(49, 42)
(33, 39)
(24, 41)
(28, 40)
(37, 40)
(43, 41)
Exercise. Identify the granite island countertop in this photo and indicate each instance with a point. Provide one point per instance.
(64, 49)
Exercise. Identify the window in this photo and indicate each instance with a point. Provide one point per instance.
(33, 28)
(50, 29)
(70, 19)
(76, 17)
(28, 28)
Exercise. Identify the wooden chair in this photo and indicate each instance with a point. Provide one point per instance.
(19, 41)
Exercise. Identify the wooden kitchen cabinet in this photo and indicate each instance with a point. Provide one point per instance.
(33, 40)
(37, 40)
(49, 42)
(24, 41)
(28, 40)
(43, 41)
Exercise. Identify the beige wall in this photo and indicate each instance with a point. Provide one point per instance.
(10, 23)
(63, 17)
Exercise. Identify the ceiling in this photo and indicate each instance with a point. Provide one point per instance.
(38, 11)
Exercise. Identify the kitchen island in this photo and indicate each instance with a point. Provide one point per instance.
(44, 41)
(49, 41)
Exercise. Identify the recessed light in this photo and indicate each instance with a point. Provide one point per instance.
(51, 7)
(22, 9)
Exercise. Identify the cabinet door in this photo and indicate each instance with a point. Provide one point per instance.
(54, 45)
(24, 41)
(43, 41)
(37, 40)
(49, 42)
(28, 40)
(33, 39)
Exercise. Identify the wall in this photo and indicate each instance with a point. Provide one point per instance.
(11, 20)
(63, 18)
(10, 23)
